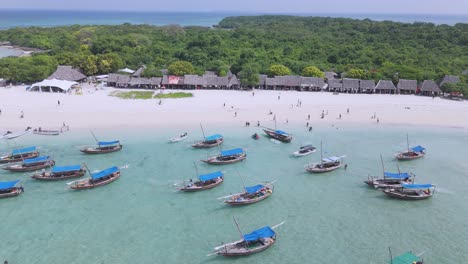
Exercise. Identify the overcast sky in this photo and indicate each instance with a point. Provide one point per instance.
(260, 6)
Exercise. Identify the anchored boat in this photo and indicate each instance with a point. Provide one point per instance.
(9, 189)
(411, 191)
(278, 135)
(251, 195)
(204, 182)
(103, 147)
(18, 155)
(210, 141)
(326, 165)
(389, 179)
(61, 173)
(32, 164)
(304, 151)
(97, 179)
(411, 153)
(227, 157)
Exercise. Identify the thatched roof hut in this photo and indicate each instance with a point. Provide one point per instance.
(449, 79)
(366, 85)
(334, 85)
(350, 84)
(331, 75)
(385, 86)
(407, 86)
(312, 83)
(429, 87)
(67, 73)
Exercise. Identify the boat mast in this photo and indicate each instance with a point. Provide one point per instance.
(321, 153)
(203, 131)
(196, 169)
(94, 136)
(243, 183)
(383, 168)
(84, 164)
(407, 142)
(391, 257)
(238, 229)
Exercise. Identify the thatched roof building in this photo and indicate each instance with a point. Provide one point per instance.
(312, 84)
(67, 73)
(429, 87)
(331, 75)
(407, 86)
(449, 79)
(334, 85)
(366, 86)
(385, 86)
(350, 85)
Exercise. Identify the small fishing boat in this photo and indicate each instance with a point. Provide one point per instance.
(411, 191)
(406, 258)
(411, 153)
(9, 189)
(32, 164)
(103, 147)
(61, 173)
(18, 155)
(251, 195)
(204, 182)
(251, 243)
(179, 138)
(255, 136)
(326, 165)
(97, 179)
(389, 179)
(46, 132)
(12, 135)
(304, 151)
(278, 135)
(227, 157)
(210, 141)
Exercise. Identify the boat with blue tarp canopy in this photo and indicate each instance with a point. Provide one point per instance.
(410, 191)
(205, 182)
(417, 186)
(254, 189)
(263, 232)
(411, 153)
(32, 164)
(281, 132)
(401, 175)
(326, 165)
(210, 176)
(213, 137)
(278, 134)
(250, 195)
(389, 179)
(103, 147)
(108, 143)
(18, 155)
(418, 149)
(10, 188)
(61, 173)
(227, 157)
(210, 141)
(97, 179)
(406, 258)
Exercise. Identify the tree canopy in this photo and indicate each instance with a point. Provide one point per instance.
(312, 71)
(278, 70)
(181, 68)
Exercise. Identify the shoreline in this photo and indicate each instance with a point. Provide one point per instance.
(96, 109)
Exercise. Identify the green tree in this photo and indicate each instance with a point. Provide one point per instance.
(249, 75)
(358, 74)
(180, 68)
(109, 62)
(278, 70)
(88, 65)
(312, 71)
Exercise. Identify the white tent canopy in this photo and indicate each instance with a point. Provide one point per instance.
(127, 70)
(53, 85)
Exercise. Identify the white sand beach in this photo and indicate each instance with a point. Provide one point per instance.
(96, 109)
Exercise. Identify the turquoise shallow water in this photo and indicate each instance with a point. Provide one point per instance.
(332, 218)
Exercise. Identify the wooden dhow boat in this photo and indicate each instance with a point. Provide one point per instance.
(32, 164)
(103, 147)
(251, 243)
(61, 173)
(251, 195)
(326, 165)
(411, 191)
(279, 135)
(389, 179)
(97, 179)
(18, 155)
(406, 258)
(179, 138)
(12, 135)
(210, 141)
(10, 189)
(411, 153)
(46, 132)
(227, 157)
(304, 151)
(204, 182)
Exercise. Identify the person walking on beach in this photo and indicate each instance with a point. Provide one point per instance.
(58, 102)
(377, 120)
(347, 111)
(22, 114)
(310, 129)
(235, 114)
(258, 123)
(224, 105)
(308, 117)
(307, 124)
(340, 116)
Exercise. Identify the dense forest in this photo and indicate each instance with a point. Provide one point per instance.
(258, 44)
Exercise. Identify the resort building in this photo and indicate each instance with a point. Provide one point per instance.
(449, 79)
(52, 86)
(68, 73)
(407, 86)
(385, 87)
(366, 86)
(430, 88)
(350, 85)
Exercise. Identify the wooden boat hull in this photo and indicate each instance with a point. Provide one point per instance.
(272, 134)
(404, 196)
(14, 192)
(46, 132)
(85, 184)
(21, 168)
(314, 169)
(241, 251)
(384, 184)
(298, 154)
(216, 161)
(249, 201)
(7, 159)
(48, 177)
(177, 139)
(207, 145)
(15, 135)
(402, 157)
(101, 151)
(201, 188)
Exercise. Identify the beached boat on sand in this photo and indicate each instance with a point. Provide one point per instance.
(9, 189)
(97, 179)
(411, 191)
(18, 155)
(61, 173)
(251, 195)
(227, 157)
(103, 147)
(32, 164)
(251, 243)
(304, 151)
(205, 182)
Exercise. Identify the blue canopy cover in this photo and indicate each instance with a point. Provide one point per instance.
(417, 186)
(402, 175)
(254, 189)
(210, 176)
(213, 137)
(281, 132)
(36, 160)
(418, 149)
(108, 143)
(104, 173)
(232, 152)
(23, 151)
(259, 233)
(57, 169)
(8, 185)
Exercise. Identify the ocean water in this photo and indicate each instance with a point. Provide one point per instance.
(7, 52)
(48, 18)
(330, 218)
